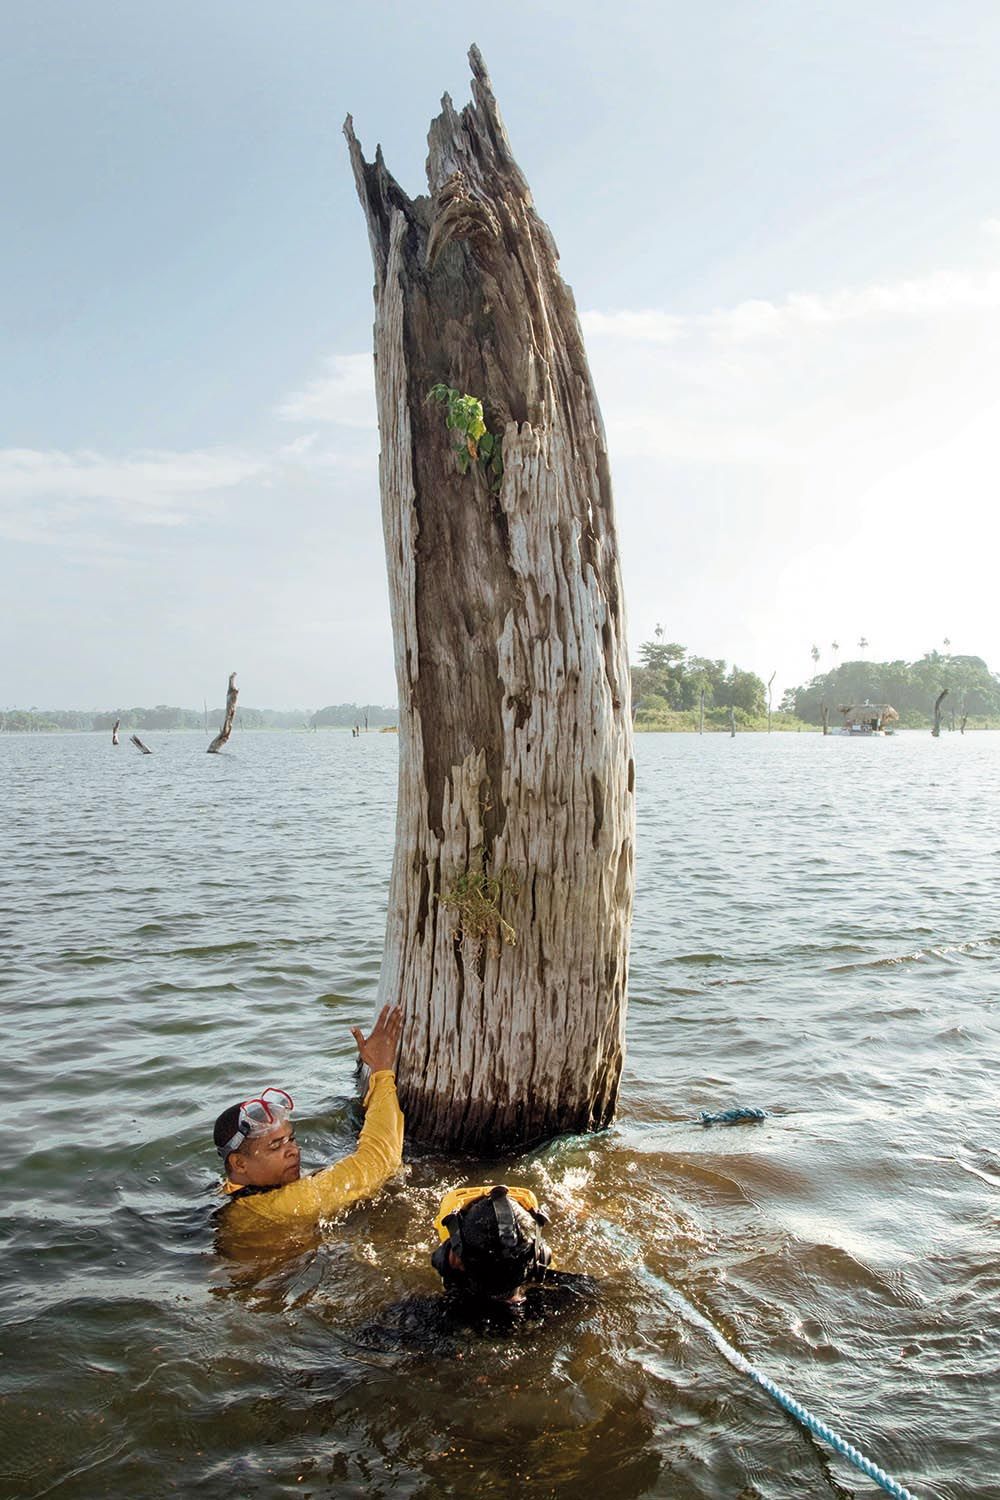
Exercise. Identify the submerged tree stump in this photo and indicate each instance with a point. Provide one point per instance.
(222, 737)
(511, 893)
(936, 731)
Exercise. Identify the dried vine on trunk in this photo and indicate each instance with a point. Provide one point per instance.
(505, 591)
(222, 737)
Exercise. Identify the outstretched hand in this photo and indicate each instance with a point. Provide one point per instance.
(378, 1050)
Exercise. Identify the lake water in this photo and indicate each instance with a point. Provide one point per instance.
(817, 934)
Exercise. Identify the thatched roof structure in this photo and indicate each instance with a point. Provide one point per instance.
(862, 713)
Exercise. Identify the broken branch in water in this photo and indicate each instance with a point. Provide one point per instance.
(137, 742)
(223, 735)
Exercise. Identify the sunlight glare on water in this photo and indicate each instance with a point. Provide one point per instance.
(816, 934)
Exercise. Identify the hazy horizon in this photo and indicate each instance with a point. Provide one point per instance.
(783, 233)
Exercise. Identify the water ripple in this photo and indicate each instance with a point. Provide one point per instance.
(176, 930)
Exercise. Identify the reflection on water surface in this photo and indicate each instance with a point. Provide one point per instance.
(816, 934)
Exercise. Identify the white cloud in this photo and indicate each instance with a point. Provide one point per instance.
(861, 379)
(766, 452)
(95, 506)
(152, 487)
(921, 297)
(299, 446)
(344, 395)
(49, 495)
(648, 327)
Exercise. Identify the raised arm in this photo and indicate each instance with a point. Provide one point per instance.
(379, 1149)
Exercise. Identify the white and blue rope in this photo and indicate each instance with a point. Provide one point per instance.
(795, 1409)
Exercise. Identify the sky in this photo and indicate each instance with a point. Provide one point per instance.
(781, 223)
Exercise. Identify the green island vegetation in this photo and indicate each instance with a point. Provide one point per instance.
(166, 717)
(911, 688)
(667, 693)
(667, 687)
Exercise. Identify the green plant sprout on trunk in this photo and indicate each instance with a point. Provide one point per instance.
(474, 896)
(473, 442)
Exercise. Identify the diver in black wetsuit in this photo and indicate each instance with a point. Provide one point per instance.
(497, 1273)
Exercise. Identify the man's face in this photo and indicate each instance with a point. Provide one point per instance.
(268, 1160)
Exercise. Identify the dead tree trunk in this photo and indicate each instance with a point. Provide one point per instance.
(221, 738)
(137, 742)
(511, 894)
(937, 712)
(114, 731)
(770, 680)
(701, 711)
(732, 721)
(826, 718)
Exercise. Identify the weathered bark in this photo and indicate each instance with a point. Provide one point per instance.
(826, 718)
(232, 693)
(937, 712)
(515, 755)
(114, 732)
(137, 742)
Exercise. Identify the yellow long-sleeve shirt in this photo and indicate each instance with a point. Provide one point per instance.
(304, 1203)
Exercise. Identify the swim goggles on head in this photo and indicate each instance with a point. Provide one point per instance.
(256, 1116)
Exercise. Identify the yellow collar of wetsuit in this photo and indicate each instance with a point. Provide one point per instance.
(458, 1198)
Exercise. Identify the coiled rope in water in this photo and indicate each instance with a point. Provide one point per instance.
(738, 1116)
(840, 1445)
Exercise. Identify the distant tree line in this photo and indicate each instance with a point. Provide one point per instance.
(670, 681)
(166, 717)
(366, 715)
(911, 688)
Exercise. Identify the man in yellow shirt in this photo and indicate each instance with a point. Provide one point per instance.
(256, 1141)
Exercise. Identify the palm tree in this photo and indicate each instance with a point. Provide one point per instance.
(947, 645)
(834, 647)
(658, 632)
(814, 653)
(863, 643)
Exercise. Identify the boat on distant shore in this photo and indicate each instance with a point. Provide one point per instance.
(862, 720)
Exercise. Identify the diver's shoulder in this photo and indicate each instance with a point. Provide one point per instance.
(573, 1283)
